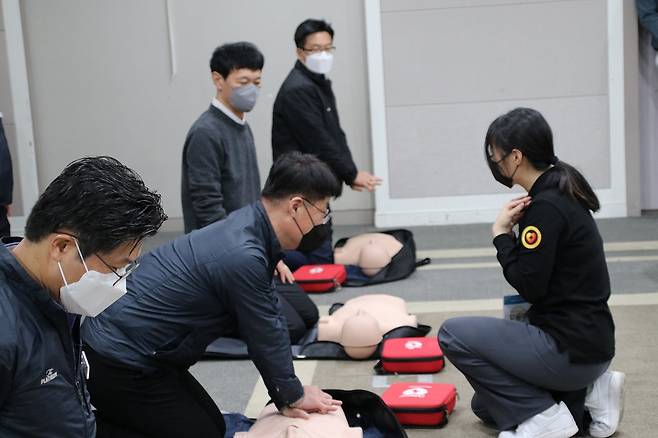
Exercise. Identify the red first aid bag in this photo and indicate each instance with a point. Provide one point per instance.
(320, 278)
(412, 356)
(421, 404)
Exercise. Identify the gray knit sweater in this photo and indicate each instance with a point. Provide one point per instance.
(220, 170)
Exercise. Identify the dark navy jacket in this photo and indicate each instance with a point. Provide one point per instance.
(42, 387)
(647, 11)
(213, 282)
(6, 176)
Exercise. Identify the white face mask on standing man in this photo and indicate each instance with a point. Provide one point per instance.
(317, 53)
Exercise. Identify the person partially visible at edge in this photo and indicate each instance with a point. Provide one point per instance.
(6, 183)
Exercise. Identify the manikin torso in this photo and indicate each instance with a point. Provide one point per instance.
(371, 252)
(272, 424)
(377, 315)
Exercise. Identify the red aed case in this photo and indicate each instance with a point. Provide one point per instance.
(421, 404)
(320, 278)
(412, 356)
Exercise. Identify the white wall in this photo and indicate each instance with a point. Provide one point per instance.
(100, 77)
(447, 68)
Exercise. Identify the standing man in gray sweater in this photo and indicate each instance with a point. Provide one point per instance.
(220, 171)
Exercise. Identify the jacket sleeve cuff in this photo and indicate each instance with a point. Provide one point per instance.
(503, 243)
(351, 176)
(285, 393)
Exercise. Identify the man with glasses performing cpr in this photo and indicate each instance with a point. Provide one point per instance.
(213, 282)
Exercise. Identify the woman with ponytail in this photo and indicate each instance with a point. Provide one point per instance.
(524, 372)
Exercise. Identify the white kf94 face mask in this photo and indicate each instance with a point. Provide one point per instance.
(93, 293)
(320, 62)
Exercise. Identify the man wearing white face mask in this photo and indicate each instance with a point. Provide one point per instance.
(305, 119)
(220, 170)
(81, 241)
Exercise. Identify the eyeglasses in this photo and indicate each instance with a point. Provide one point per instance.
(327, 213)
(121, 272)
(328, 49)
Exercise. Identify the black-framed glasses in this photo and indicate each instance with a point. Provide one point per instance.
(326, 213)
(329, 49)
(121, 272)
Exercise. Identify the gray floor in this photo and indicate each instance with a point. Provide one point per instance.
(231, 383)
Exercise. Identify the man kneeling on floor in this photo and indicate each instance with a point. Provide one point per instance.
(213, 282)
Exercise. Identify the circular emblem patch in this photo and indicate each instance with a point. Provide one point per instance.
(531, 237)
(316, 270)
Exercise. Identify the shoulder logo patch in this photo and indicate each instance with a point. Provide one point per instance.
(531, 237)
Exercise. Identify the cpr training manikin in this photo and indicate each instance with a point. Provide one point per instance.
(371, 252)
(272, 424)
(361, 322)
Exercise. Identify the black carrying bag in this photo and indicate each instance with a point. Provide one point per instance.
(365, 409)
(309, 347)
(402, 265)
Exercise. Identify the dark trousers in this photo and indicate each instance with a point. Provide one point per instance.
(4, 222)
(300, 311)
(516, 369)
(167, 403)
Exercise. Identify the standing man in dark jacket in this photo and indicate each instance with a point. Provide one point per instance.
(81, 241)
(220, 170)
(305, 118)
(206, 284)
(6, 182)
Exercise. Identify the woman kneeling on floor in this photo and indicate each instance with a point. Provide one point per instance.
(520, 371)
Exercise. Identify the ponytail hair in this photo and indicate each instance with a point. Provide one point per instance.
(573, 183)
(526, 129)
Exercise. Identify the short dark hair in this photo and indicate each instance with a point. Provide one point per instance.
(102, 202)
(295, 173)
(233, 56)
(310, 26)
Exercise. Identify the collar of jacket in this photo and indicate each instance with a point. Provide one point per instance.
(544, 182)
(319, 79)
(272, 245)
(12, 269)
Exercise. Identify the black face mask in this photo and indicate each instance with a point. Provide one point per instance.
(314, 238)
(497, 174)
